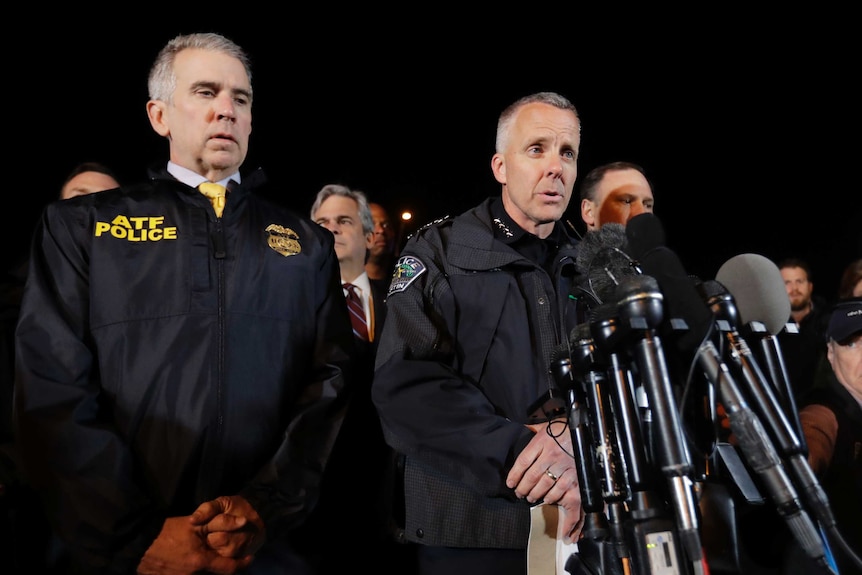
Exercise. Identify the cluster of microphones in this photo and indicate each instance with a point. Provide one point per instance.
(661, 359)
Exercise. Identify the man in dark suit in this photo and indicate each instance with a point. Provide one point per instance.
(354, 510)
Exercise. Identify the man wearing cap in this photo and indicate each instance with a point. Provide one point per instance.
(832, 423)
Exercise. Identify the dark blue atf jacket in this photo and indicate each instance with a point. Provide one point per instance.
(166, 357)
(470, 332)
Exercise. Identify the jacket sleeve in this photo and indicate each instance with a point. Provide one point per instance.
(71, 451)
(285, 491)
(428, 409)
(820, 429)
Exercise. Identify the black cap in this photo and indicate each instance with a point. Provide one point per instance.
(846, 319)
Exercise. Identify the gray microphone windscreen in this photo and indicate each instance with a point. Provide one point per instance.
(757, 287)
(602, 258)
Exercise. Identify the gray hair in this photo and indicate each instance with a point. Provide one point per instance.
(504, 123)
(162, 80)
(357, 196)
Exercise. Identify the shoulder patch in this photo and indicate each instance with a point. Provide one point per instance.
(407, 269)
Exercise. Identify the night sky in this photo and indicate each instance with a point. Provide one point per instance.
(748, 130)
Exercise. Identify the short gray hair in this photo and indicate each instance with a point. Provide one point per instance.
(504, 123)
(162, 80)
(355, 195)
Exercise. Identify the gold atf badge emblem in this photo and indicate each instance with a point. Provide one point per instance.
(283, 240)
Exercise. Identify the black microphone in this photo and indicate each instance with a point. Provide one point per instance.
(647, 528)
(641, 308)
(686, 314)
(565, 363)
(602, 547)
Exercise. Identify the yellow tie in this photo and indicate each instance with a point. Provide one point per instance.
(216, 194)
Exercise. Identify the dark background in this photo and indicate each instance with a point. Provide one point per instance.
(747, 127)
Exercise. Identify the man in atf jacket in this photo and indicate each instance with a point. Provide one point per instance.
(141, 393)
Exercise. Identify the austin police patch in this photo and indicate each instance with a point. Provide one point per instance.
(407, 269)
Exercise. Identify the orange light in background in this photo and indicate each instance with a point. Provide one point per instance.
(406, 216)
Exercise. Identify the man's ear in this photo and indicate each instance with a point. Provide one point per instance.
(498, 166)
(587, 213)
(156, 114)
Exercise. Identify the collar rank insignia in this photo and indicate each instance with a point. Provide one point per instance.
(503, 228)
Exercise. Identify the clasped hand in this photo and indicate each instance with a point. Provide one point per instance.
(545, 471)
(220, 537)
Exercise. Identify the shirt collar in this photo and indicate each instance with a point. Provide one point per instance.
(361, 281)
(194, 179)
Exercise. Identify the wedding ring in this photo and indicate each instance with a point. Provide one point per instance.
(551, 475)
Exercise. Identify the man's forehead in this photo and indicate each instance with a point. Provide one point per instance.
(625, 182)
(194, 65)
(546, 120)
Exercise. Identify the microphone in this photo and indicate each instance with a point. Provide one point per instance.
(760, 449)
(761, 298)
(685, 310)
(601, 548)
(756, 284)
(641, 308)
(603, 260)
(760, 453)
(588, 456)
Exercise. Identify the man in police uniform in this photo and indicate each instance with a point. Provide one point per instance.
(476, 308)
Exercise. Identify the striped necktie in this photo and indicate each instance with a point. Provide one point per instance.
(216, 194)
(357, 312)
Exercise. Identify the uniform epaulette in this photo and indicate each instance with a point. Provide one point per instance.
(430, 224)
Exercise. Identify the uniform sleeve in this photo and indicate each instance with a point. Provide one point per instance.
(286, 489)
(71, 451)
(427, 409)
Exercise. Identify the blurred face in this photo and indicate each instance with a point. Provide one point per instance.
(798, 288)
(620, 196)
(384, 234)
(539, 166)
(340, 215)
(846, 361)
(208, 121)
(88, 183)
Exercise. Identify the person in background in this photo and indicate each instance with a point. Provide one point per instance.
(383, 252)
(183, 364)
(88, 178)
(831, 420)
(22, 527)
(614, 192)
(851, 280)
(475, 309)
(354, 488)
(347, 214)
(803, 341)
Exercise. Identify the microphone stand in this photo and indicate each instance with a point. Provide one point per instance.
(651, 536)
(760, 449)
(641, 309)
(597, 552)
(770, 350)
